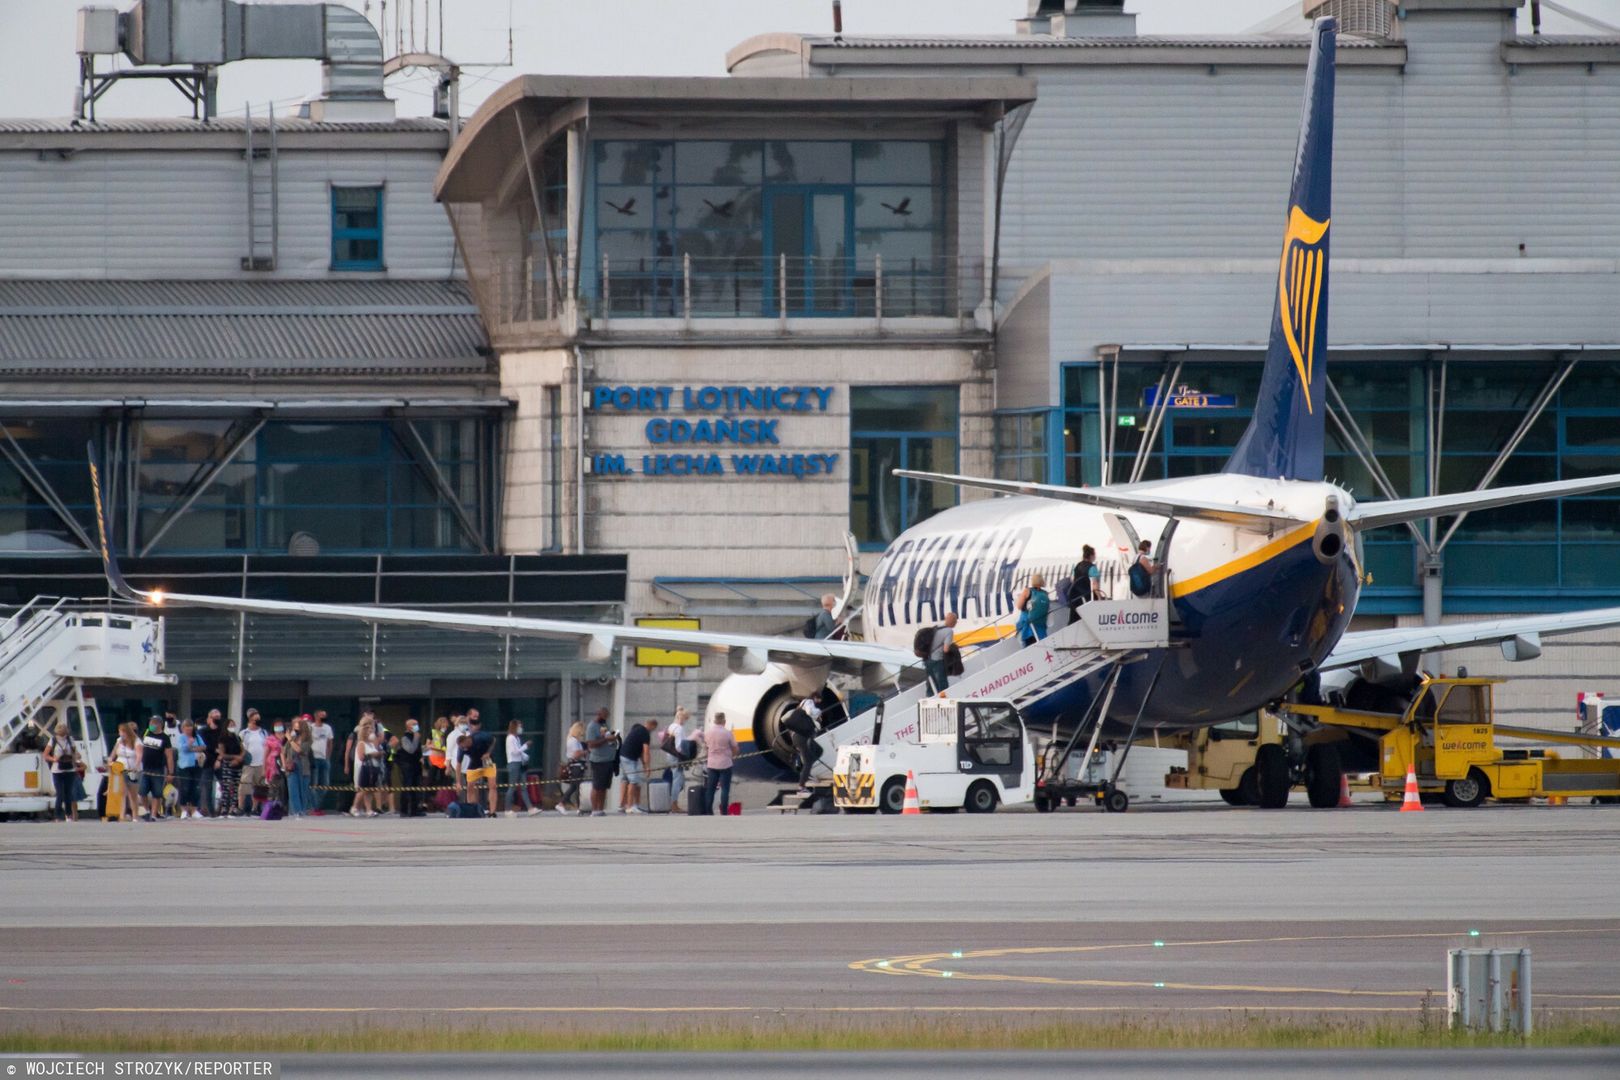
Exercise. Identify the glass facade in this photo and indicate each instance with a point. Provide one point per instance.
(760, 223)
(1570, 545)
(357, 228)
(1021, 445)
(899, 427)
(297, 486)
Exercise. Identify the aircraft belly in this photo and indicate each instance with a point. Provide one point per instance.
(1241, 642)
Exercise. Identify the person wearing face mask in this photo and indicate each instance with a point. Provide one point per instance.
(408, 756)
(275, 776)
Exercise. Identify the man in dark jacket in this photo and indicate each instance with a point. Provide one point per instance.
(408, 756)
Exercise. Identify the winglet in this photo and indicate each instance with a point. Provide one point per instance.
(109, 560)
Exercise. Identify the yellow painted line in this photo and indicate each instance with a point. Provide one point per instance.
(1245, 562)
(921, 964)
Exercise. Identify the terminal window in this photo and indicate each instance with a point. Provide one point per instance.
(357, 223)
(741, 227)
(899, 427)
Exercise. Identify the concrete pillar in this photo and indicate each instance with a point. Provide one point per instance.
(183, 709)
(1434, 564)
(233, 700)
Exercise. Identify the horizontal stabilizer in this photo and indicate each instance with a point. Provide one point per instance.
(1258, 519)
(1398, 511)
(1359, 646)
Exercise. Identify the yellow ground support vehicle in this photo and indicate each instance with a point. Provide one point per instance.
(1448, 734)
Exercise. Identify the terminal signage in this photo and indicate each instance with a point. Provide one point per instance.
(1185, 397)
(713, 430)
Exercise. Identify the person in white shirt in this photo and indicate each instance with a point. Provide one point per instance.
(253, 744)
(321, 736)
(676, 737)
(517, 760)
(452, 753)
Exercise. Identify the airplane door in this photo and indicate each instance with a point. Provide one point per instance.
(990, 739)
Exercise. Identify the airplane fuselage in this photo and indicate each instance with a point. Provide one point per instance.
(1251, 611)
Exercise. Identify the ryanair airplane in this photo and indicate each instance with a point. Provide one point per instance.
(1260, 565)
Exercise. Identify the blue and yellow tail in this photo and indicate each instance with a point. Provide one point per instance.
(1284, 440)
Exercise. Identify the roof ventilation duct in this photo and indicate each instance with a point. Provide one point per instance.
(1078, 18)
(206, 33)
(1363, 18)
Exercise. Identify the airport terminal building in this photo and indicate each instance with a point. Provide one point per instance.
(647, 348)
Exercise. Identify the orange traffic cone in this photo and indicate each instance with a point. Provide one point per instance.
(1411, 801)
(913, 806)
(1344, 790)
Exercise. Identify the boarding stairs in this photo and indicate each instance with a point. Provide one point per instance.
(1107, 635)
(47, 646)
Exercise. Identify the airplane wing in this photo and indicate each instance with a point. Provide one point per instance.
(1520, 637)
(1259, 519)
(747, 653)
(1396, 511)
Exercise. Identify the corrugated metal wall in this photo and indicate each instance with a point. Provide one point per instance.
(165, 213)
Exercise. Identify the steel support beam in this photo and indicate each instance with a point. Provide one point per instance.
(1359, 445)
(202, 484)
(1531, 415)
(1161, 405)
(423, 455)
(42, 487)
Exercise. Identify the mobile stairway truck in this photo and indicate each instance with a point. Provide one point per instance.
(50, 654)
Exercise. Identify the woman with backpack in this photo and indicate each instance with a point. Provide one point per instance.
(1142, 570)
(63, 759)
(1034, 605)
(1085, 581)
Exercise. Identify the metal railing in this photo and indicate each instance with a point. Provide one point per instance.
(735, 287)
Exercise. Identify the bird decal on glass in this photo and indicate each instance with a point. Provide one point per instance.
(720, 209)
(901, 209)
(628, 209)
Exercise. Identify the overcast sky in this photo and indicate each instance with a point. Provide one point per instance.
(38, 68)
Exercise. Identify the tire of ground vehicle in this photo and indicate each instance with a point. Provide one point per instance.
(1233, 796)
(1271, 777)
(1323, 776)
(1249, 787)
(981, 798)
(892, 797)
(1044, 804)
(1116, 801)
(1468, 792)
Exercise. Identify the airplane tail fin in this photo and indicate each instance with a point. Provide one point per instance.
(1284, 439)
(109, 560)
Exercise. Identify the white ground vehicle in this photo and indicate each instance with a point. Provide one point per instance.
(48, 655)
(970, 754)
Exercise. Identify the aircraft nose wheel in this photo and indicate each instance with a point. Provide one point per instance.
(1116, 801)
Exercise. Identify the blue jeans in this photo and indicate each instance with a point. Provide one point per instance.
(321, 777)
(299, 795)
(677, 783)
(514, 775)
(205, 792)
(716, 780)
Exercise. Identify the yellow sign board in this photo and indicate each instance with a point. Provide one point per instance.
(648, 657)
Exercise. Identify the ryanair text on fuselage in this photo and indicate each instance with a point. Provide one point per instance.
(970, 573)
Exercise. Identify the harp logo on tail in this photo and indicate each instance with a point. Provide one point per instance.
(1299, 290)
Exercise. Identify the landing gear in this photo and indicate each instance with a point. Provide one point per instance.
(1272, 779)
(1324, 776)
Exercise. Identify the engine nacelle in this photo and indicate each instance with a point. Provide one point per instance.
(1328, 543)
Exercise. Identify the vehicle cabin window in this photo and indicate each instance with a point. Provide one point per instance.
(1462, 705)
(1243, 728)
(357, 224)
(989, 722)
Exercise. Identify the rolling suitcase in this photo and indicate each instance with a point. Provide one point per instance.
(694, 801)
(658, 797)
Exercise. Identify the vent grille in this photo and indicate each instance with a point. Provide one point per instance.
(1363, 18)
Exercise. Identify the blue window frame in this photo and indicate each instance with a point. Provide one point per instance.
(893, 427)
(357, 228)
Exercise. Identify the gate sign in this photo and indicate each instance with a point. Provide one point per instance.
(1185, 397)
(1137, 623)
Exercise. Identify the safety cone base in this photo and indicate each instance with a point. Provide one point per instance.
(1411, 800)
(913, 805)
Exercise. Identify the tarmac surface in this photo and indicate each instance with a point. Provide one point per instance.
(590, 922)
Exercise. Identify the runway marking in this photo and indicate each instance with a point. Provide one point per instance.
(920, 964)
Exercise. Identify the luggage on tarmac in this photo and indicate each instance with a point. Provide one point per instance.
(694, 801)
(443, 800)
(658, 797)
(273, 811)
(465, 810)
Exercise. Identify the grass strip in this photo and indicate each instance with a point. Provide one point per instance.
(770, 1031)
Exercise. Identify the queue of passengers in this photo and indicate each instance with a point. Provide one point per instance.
(188, 771)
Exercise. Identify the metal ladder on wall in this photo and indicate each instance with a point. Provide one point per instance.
(263, 196)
